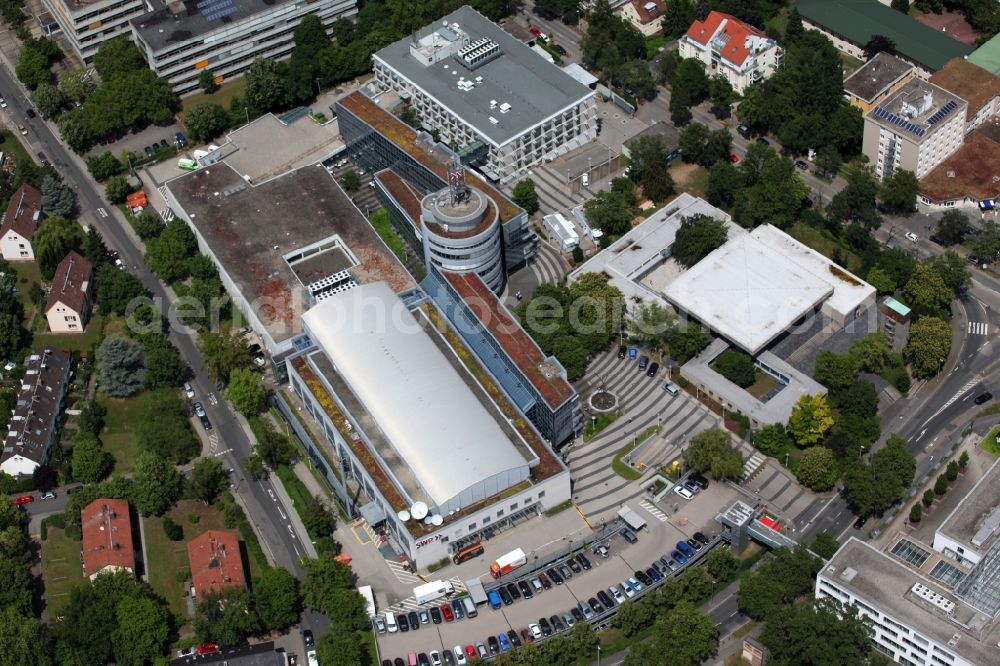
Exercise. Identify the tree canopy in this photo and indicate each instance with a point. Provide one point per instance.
(120, 366)
(697, 236)
(713, 451)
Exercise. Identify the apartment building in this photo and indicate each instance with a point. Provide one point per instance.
(730, 48)
(184, 37)
(978, 87)
(915, 128)
(20, 222)
(874, 81)
(87, 24)
(68, 308)
(499, 103)
(644, 15)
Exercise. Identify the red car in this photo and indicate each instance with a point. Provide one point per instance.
(207, 648)
(535, 31)
(734, 158)
(23, 499)
(447, 612)
(470, 652)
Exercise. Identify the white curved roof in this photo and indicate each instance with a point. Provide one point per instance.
(431, 418)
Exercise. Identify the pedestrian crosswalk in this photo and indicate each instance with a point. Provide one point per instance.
(653, 509)
(401, 573)
(978, 328)
(968, 385)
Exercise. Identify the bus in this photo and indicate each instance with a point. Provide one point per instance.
(468, 553)
(186, 164)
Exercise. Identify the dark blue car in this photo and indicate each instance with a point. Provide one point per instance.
(678, 557)
(686, 549)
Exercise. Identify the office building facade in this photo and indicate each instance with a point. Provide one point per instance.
(87, 24)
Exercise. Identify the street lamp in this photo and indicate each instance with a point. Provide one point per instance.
(598, 655)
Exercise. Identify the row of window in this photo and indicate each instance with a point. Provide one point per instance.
(473, 526)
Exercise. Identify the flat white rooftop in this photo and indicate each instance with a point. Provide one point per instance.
(757, 285)
(453, 446)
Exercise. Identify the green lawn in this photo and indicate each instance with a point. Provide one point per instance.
(826, 246)
(654, 44)
(763, 383)
(223, 96)
(9, 143)
(383, 227)
(166, 558)
(622, 468)
(119, 434)
(599, 423)
(73, 342)
(27, 274)
(990, 442)
(61, 568)
(849, 63)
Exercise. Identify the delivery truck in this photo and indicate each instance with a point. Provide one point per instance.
(430, 591)
(507, 563)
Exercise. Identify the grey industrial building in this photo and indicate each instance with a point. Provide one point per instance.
(500, 102)
(181, 38)
(425, 471)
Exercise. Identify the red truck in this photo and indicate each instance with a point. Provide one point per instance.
(507, 563)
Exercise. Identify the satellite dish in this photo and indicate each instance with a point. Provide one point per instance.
(437, 520)
(418, 510)
(403, 515)
(427, 520)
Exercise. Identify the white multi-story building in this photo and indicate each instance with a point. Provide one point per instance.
(185, 37)
(87, 24)
(740, 53)
(915, 128)
(503, 106)
(930, 605)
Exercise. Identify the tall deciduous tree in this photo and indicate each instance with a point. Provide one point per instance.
(223, 353)
(165, 430)
(207, 480)
(206, 121)
(810, 420)
(712, 450)
(155, 484)
(525, 196)
(58, 198)
(277, 599)
(696, 237)
(90, 463)
(226, 617)
(121, 368)
(245, 391)
(142, 630)
(953, 226)
(899, 191)
(53, 241)
(817, 468)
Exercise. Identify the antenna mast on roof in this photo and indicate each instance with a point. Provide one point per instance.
(457, 187)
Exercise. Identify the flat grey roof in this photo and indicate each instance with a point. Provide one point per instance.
(535, 88)
(431, 419)
(979, 511)
(642, 248)
(876, 75)
(777, 409)
(885, 583)
(250, 229)
(168, 26)
(917, 110)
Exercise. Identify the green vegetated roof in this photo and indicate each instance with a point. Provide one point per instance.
(987, 56)
(860, 20)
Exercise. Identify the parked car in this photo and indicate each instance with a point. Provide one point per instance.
(683, 492)
(414, 620)
(148, 150)
(3, 103)
(584, 562)
(734, 158)
(560, 50)
(983, 398)
(627, 589)
(512, 590)
(692, 486)
(679, 556)
(199, 410)
(504, 642)
(544, 580)
(525, 589)
(188, 390)
(527, 636)
(42, 159)
(568, 620)
(30, 112)
(565, 572)
(653, 575)
(514, 639)
(587, 611)
(436, 615)
(494, 598)
(629, 536)
(670, 563)
(379, 624)
(634, 584)
(404, 624)
(180, 139)
(574, 565)
(595, 605)
(699, 479)
(799, 164)
(205, 423)
(576, 614)
(616, 594)
(557, 624)
(621, 352)
(554, 575)
(505, 596)
(702, 539)
(910, 236)
(605, 599)
(544, 625)
(447, 613)
(536, 629)
(653, 368)
(686, 549)
(208, 648)
(643, 578)
(481, 649)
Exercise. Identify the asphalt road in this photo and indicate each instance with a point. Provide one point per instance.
(234, 444)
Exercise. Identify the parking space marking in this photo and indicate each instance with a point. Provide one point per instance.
(212, 400)
(657, 513)
(102, 212)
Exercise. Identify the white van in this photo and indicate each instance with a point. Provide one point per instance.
(390, 622)
(470, 607)
(585, 179)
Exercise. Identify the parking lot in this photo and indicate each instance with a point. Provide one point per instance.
(655, 540)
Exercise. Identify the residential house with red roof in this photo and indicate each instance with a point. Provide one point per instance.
(644, 15)
(68, 309)
(216, 562)
(740, 53)
(20, 222)
(108, 546)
